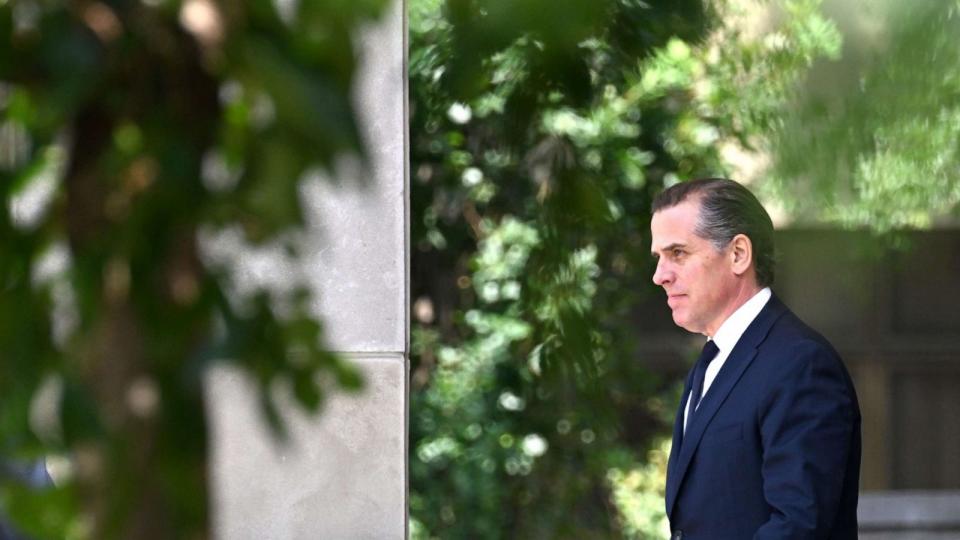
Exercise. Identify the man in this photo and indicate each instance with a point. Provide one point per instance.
(766, 443)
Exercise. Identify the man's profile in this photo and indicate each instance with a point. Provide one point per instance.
(766, 443)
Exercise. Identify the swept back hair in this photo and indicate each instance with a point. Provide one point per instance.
(726, 210)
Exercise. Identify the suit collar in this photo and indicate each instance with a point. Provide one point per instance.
(737, 323)
(760, 327)
(740, 357)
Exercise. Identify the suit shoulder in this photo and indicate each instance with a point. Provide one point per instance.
(793, 341)
(796, 356)
(791, 329)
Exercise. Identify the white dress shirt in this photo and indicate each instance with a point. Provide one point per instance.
(727, 337)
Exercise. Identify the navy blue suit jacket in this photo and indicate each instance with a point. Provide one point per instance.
(773, 451)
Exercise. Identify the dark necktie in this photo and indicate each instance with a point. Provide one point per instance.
(709, 352)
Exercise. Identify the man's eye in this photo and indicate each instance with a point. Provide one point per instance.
(677, 252)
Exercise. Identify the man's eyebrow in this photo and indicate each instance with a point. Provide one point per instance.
(670, 247)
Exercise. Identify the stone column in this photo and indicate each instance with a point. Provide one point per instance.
(344, 474)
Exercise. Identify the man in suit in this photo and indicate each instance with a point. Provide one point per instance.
(766, 444)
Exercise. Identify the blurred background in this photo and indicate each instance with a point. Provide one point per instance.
(145, 147)
(545, 370)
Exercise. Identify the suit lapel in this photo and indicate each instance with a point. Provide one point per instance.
(737, 362)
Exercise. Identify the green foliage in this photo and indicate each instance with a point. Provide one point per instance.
(535, 155)
(638, 493)
(880, 152)
(129, 131)
(50, 513)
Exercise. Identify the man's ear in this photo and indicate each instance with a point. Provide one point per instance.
(741, 254)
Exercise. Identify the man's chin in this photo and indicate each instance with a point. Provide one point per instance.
(679, 320)
(684, 323)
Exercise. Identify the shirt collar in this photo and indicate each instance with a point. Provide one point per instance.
(736, 324)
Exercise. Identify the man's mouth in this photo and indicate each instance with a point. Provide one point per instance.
(672, 299)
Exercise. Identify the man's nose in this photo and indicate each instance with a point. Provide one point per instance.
(662, 274)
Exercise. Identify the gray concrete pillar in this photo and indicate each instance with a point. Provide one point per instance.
(344, 474)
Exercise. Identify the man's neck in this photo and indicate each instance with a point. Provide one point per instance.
(736, 324)
(742, 296)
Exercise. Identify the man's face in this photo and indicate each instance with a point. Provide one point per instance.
(699, 280)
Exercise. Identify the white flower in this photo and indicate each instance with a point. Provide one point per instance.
(471, 176)
(534, 445)
(459, 113)
(511, 402)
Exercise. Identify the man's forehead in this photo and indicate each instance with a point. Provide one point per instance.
(673, 225)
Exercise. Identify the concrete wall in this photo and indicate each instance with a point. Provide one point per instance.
(909, 515)
(344, 474)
